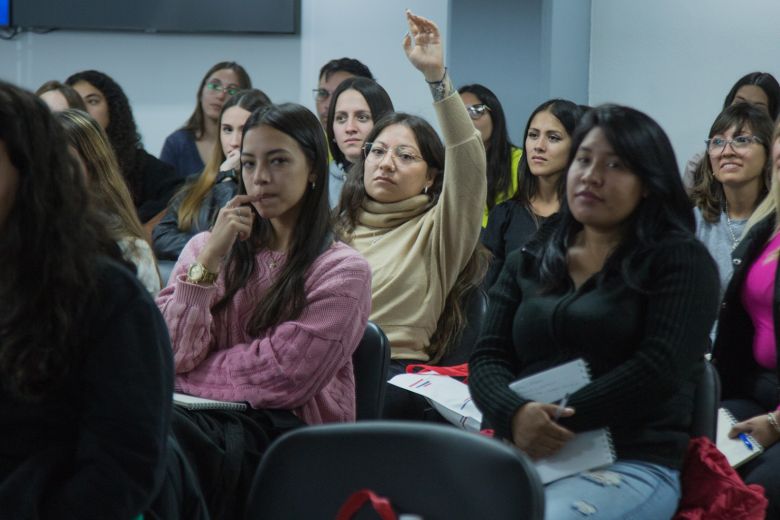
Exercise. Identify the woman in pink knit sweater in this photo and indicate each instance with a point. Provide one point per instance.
(267, 308)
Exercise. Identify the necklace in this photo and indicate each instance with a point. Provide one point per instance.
(730, 226)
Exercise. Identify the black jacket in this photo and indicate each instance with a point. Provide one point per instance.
(733, 351)
(169, 240)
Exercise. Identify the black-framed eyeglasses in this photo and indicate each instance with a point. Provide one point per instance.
(401, 155)
(230, 90)
(477, 111)
(320, 94)
(740, 142)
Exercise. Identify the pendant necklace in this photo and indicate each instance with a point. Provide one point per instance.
(730, 224)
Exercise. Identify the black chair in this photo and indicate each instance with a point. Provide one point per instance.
(425, 469)
(476, 303)
(370, 361)
(706, 400)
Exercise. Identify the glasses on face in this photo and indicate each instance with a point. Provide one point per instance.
(402, 155)
(230, 90)
(477, 111)
(718, 144)
(320, 94)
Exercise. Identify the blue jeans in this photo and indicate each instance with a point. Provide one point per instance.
(625, 490)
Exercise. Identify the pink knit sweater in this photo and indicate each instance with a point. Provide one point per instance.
(303, 365)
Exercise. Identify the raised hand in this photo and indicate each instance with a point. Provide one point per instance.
(423, 47)
(234, 221)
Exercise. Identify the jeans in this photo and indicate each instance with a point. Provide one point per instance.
(625, 490)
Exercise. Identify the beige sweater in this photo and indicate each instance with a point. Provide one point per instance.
(416, 255)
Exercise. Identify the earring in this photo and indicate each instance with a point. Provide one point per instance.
(425, 190)
(313, 185)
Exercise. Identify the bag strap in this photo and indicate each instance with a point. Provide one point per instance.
(452, 371)
(356, 500)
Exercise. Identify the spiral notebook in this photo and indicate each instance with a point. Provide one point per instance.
(739, 450)
(190, 402)
(587, 450)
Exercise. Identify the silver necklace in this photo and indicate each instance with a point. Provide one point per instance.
(730, 224)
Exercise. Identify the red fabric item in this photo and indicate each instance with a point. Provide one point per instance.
(452, 371)
(356, 500)
(713, 490)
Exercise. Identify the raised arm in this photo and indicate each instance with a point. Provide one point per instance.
(458, 213)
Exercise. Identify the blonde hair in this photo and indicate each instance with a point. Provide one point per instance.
(104, 180)
(771, 203)
(194, 193)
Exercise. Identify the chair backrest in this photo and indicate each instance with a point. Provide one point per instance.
(475, 306)
(434, 471)
(706, 400)
(370, 362)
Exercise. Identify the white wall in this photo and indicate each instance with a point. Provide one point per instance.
(676, 60)
(160, 72)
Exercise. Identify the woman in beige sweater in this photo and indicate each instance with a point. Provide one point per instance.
(413, 208)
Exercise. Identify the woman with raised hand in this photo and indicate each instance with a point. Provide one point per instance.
(542, 182)
(151, 182)
(503, 158)
(104, 181)
(85, 358)
(413, 207)
(747, 347)
(267, 307)
(619, 280)
(357, 104)
(189, 149)
(194, 208)
(732, 181)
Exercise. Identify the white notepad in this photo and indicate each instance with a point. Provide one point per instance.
(191, 402)
(735, 450)
(587, 450)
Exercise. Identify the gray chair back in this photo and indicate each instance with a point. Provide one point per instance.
(434, 471)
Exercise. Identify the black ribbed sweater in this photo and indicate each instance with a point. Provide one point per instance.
(644, 347)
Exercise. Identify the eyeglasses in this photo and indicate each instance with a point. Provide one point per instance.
(402, 155)
(320, 94)
(477, 111)
(718, 144)
(217, 87)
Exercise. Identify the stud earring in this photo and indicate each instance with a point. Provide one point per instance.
(313, 185)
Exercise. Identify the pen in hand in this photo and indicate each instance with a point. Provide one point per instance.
(561, 407)
(747, 442)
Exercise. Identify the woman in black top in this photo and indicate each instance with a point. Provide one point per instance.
(541, 182)
(620, 281)
(86, 372)
(151, 182)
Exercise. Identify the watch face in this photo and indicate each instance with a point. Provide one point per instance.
(196, 272)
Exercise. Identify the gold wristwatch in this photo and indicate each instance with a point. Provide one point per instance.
(197, 273)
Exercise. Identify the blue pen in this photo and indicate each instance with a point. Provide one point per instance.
(746, 441)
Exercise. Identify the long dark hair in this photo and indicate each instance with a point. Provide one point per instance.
(49, 246)
(121, 130)
(707, 192)
(378, 102)
(763, 80)
(569, 115)
(498, 147)
(452, 319)
(286, 298)
(663, 213)
(196, 124)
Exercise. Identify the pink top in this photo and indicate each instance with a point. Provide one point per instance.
(758, 299)
(303, 365)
